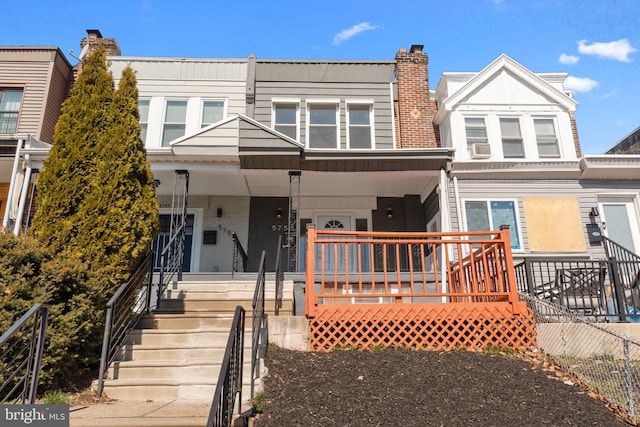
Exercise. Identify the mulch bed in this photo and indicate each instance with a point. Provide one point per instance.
(423, 388)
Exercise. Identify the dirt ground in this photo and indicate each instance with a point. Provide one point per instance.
(423, 388)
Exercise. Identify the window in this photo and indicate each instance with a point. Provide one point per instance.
(546, 138)
(10, 100)
(476, 131)
(323, 125)
(359, 125)
(285, 118)
(512, 146)
(143, 110)
(174, 121)
(212, 112)
(484, 215)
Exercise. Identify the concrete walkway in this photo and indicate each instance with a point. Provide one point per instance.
(173, 413)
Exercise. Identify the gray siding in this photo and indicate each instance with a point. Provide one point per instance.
(586, 192)
(309, 81)
(431, 206)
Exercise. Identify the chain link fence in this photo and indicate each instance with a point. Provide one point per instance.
(597, 354)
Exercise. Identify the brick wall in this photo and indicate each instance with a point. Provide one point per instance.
(94, 39)
(415, 110)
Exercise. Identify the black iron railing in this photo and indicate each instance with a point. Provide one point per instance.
(595, 289)
(171, 260)
(258, 330)
(628, 263)
(229, 385)
(239, 255)
(124, 309)
(21, 349)
(279, 278)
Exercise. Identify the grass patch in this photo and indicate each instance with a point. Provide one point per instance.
(55, 398)
(259, 402)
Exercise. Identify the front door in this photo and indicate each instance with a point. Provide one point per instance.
(164, 236)
(620, 221)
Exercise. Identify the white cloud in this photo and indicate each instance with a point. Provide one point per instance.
(568, 59)
(350, 32)
(579, 84)
(618, 50)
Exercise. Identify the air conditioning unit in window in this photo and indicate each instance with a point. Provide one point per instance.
(480, 151)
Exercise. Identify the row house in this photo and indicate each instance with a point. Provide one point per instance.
(257, 149)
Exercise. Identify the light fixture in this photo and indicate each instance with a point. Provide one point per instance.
(279, 213)
(389, 212)
(594, 211)
(156, 183)
(219, 213)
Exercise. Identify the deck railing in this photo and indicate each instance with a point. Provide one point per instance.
(21, 350)
(346, 267)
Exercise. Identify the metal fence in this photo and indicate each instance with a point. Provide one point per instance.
(605, 290)
(229, 385)
(21, 349)
(259, 320)
(125, 307)
(598, 357)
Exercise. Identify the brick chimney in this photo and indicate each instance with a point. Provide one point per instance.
(93, 40)
(414, 110)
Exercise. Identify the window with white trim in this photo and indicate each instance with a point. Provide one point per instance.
(175, 118)
(546, 138)
(512, 146)
(143, 112)
(322, 124)
(285, 118)
(10, 102)
(476, 130)
(483, 215)
(359, 120)
(212, 112)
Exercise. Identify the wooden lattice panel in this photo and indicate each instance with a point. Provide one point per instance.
(448, 326)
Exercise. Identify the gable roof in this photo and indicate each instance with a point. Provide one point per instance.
(500, 64)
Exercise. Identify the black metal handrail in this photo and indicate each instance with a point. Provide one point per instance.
(258, 322)
(240, 256)
(279, 277)
(171, 260)
(590, 288)
(21, 349)
(628, 262)
(124, 309)
(229, 385)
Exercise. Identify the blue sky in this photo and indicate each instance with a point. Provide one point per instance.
(595, 41)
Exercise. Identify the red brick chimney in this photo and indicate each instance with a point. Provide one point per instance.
(415, 111)
(93, 40)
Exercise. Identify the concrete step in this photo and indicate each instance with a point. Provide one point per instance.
(213, 305)
(177, 337)
(185, 321)
(166, 389)
(187, 372)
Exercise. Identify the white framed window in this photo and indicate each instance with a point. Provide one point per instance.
(175, 118)
(286, 117)
(359, 125)
(143, 112)
(212, 112)
(476, 130)
(483, 215)
(322, 124)
(546, 137)
(512, 146)
(10, 102)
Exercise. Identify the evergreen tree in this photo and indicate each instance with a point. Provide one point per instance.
(96, 199)
(65, 179)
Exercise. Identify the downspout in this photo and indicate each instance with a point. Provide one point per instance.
(23, 195)
(14, 173)
(456, 193)
(393, 116)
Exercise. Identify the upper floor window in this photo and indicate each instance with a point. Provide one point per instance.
(143, 111)
(483, 215)
(512, 146)
(285, 118)
(323, 125)
(212, 112)
(174, 121)
(10, 100)
(359, 125)
(546, 138)
(476, 130)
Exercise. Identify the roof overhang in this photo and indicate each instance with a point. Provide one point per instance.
(516, 170)
(611, 166)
